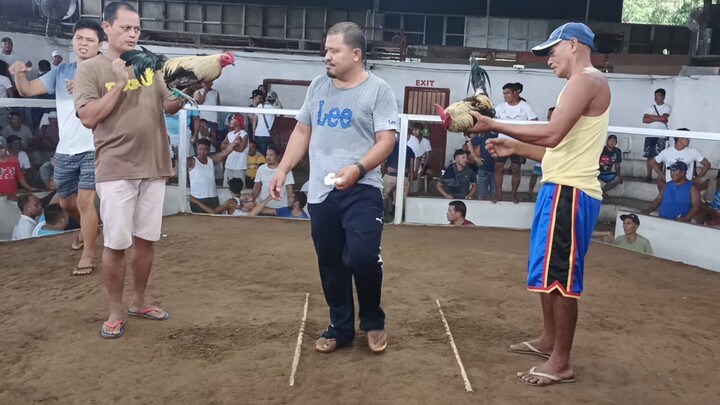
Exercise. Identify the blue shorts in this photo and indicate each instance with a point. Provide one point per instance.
(607, 177)
(537, 171)
(73, 172)
(564, 221)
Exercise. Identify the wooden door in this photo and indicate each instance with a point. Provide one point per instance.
(421, 101)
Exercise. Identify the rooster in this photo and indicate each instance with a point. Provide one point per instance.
(456, 117)
(179, 73)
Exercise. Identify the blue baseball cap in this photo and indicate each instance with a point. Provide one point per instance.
(678, 165)
(565, 32)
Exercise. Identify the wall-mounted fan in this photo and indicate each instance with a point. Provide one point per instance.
(57, 9)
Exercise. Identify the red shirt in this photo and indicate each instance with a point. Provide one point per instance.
(10, 173)
(466, 222)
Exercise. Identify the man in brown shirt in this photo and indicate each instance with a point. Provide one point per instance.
(132, 160)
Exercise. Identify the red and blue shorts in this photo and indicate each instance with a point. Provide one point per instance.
(562, 228)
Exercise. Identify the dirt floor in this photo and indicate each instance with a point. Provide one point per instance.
(648, 329)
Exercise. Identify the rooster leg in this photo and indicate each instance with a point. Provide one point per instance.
(179, 94)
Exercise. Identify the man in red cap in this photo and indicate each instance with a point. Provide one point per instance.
(236, 163)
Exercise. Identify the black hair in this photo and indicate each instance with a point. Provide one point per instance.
(111, 10)
(23, 200)
(272, 148)
(16, 112)
(512, 86)
(44, 65)
(236, 185)
(460, 207)
(611, 136)
(85, 23)
(12, 138)
(204, 141)
(4, 69)
(353, 36)
(5, 39)
(661, 91)
(675, 138)
(301, 198)
(53, 213)
(459, 152)
(551, 109)
(252, 142)
(519, 87)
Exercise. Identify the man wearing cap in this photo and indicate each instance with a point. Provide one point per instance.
(610, 160)
(568, 203)
(263, 123)
(75, 152)
(631, 240)
(56, 59)
(680, 199)
(681, 152)
(262, 139)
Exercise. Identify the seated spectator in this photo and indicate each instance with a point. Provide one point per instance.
(204, 132)
(56, 220)
(458, 181)
(265, 173)
(49, 134)
(31, 209)
(6, 91)
(10, 173)
(710, 209)
(43, 67)
(238, 205)
(456, 214)
(201, 170)
(13, 148)
(631, 240)
(610, 160)
(236, 162)
(56, 59)
(254, 160)
(487, 190)
(681, 152)
(47, 170)
(390, 177)
(17, 128)
(295, 211)
(680, 199)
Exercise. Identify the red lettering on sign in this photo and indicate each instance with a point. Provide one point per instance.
(425, 83)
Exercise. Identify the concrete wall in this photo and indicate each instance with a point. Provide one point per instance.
(684, 243)
(432, 211)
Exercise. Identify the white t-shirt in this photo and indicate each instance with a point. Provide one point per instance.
(661, 110)
(238, 210)
(5, 84)
(419, 148)
(262, 129)
(522, 111)
(24, 228)
(236, 160)
(264, 176)
(24, 133)
(211, 98)
(24, 160)
(672, 155)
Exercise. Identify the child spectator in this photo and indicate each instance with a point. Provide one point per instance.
(56, 220)
(237, 205)
(295, 211)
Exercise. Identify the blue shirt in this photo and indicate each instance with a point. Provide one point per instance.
(488, 161)
(286, 212)
(172, 122)
(392, 160)
(676, 200)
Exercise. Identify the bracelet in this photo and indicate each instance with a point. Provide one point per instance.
(363, 172)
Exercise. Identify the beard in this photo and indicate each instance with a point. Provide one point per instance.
(330, 75)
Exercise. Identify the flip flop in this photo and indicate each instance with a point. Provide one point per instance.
(372, 342)
(112, 325)
(77, 244)
(145, 313)
(553, 378)
(530, 350)
(80, 270)
(325, 345)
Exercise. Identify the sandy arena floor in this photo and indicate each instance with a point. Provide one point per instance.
(648, 329)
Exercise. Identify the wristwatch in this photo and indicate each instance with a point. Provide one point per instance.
(363, 172)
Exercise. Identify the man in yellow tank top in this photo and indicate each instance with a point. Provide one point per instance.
(568, 204)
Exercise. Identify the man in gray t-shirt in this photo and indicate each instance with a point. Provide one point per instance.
(348, 121)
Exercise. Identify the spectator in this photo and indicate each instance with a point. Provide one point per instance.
(390, 177)
(262, 125)
(236, 162)
(265, 173)
(456, 214)
(257, 98)
(204, 132)
(295, 211)
(273, 100)
(610, 160)
(172, 125)
(420, 146)
(43, 67)
(254, 160)
(6, 91)
(681, 152)
(56, 59)
(17, 128)
(7, 55)
(201, 169)
(10, 173)
(208, 96)
(31, 208)
(656, 117)
(47, 170)
(49, 135)
(56, 220)
(680, 199)
(458, 181)
(262, 88)
(513, 108)
(537, 167)
(631, 240)
(710, 209)
(13, 148)
(487, 189)
(238, 205)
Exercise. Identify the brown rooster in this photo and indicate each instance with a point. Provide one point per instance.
(179, 73)
(456, 117)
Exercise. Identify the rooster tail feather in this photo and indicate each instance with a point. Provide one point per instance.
(479, 79)
(143, 60)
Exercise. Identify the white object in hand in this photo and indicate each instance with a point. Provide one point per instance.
(331, 180)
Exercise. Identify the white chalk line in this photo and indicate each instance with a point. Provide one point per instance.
(468, 387)
(296, 358)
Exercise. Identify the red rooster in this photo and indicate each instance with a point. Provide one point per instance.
(179, 73)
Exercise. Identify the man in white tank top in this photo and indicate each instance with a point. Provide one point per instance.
(236, 163)
(202, 174)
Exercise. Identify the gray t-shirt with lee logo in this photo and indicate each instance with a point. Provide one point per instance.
(344, 123)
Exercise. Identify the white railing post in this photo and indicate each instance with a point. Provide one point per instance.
(402, 156)
(182, 160)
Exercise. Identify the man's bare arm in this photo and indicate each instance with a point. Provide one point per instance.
(24, 87)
